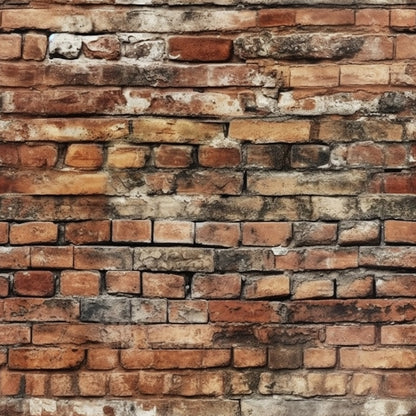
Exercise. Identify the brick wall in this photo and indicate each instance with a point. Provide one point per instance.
(207, 208)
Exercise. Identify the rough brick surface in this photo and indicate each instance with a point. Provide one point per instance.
(207, 208)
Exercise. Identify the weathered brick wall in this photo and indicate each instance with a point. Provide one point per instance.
(207, 208)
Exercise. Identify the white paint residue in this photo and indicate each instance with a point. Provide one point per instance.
(38, 406)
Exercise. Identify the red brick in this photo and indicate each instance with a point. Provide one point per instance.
(80, 283)
(52, 257)
(266, 233)
(103, 258)
(216, 286)
(45, 358)
(326, 259)
(123, 384)
(402, 18)
(127, 156)
(219, 157)
(169, 359)
(405, 47)
(259, 287)
(325, 17)
(242, 311)
(360, 287)
(395, 156)
(398, 335)
(163, 285)
(199, 48)
(351, 335)
(26, 310)
(92, 383)
(160, 182)
(86, 232)
(10, 46)
(400, 384)
(11, 384)
(276, 17)
(320, 357)
(188, 311)
(311, 289)
(169, 156)
(84, 156)
(181, 232)
(102, 47)
(63, 385)
(14, 334)
(365, 154)
(34, 283)
(38, 156)
(4, 232)
(36, 384)
(372, 17)
(33, 232)
(4, 286)
(132, 231)
(217, 234)
(396, 286)
(386, 256)
(34, 46)
(14, 257)
(123, 282)
(244, 357)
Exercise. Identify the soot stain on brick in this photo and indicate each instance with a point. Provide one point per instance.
(393, 102)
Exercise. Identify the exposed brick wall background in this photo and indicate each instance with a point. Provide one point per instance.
(207, 208)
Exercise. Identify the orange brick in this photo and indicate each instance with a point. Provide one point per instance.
(266, 233)
(102, 359)
(36, 384)
(359, 233)
(11, 383)
(33, 232)
(188, 311)
(132, 231)
(276, 17)
(283, 357)
(260, 131)
(314, 233)
(14, 334)
(217, 157)
(320, 357)
(372, 17)
(86, 232)
(34, 46)
(181, 232)
(199, 48)
(123, 282)
(125, 156)
(366, 384)
(123, 384)
(350, 335)
(92, 383)
(244, 357)
(400, 231)
(259, 287)
(325, 17)
(45, 358)
(80, 283)
(102, 258)
(396, 285)
(63, 385)
(326, 259)
(313, 76)
(400, 384)
(163, 285)
(314, 289)
(4, 286)
(216, 286)
(34, 283)
(169, 156)
(365, 74)
(355, 287)
(217, 233)
(4, 232)
(14, 257)
(84, 156)
(102, 47)
(10, 46)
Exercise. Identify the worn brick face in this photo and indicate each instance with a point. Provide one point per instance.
(207, 208)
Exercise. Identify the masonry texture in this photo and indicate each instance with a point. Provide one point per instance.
(207, 208)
